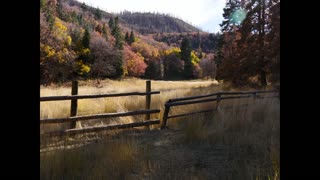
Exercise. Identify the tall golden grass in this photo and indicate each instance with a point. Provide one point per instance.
(239, 141)
(249, 131)
(169, 89)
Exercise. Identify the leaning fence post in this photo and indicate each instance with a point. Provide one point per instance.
(148, 99)
(165, 116)
(74, 103)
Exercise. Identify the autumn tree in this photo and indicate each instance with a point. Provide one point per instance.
(255, 29)
(208, 66)
(98, 28)
(173, 67)
(273, 39)
(134, 64)
(105, 58)
(104, 31)
(43, 3)
(57, 58)
(246, 46)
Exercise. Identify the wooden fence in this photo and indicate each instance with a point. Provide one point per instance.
(199, 99)
(74, 105)
(147, 111)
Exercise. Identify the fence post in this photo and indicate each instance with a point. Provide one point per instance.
(74, 103)
(218, 101)
(254, 96)
(165, 116)
(148, 99)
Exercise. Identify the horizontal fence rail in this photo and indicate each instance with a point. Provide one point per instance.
(218, 98)
(219, 93)
(111, 127)
(98, 116)
(61, 98)
(74, 106)
(204, 100)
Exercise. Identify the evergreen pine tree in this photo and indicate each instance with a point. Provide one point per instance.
(86, 39)
(126, 38)
(84, 54)
(132, 38)
(186, 57)
(111, 24)
(98, 14)
(227, 23)
(119, 64)
(116, 32)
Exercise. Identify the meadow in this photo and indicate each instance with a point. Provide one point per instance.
(239, 141)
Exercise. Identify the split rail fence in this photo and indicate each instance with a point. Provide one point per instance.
(218, 97)
(74, 107)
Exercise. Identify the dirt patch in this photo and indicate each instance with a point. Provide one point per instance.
(171, 154)
(162, 154)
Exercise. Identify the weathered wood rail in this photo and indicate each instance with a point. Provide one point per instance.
(74, 97)
(199, 99)
(74, 105)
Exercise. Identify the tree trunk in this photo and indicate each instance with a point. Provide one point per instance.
(263, 78)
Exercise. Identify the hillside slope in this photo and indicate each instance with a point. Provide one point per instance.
(146, 23)
(77, 40)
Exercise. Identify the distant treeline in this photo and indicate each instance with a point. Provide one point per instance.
(147, 23)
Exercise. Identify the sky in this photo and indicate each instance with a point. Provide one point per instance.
(205, 14)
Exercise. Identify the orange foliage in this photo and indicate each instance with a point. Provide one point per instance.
(134, 63)
(146, 50)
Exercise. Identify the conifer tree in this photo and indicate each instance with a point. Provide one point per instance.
(132, 37)
(111, 24)
(186, 57)
(126, 38)
(86, 39)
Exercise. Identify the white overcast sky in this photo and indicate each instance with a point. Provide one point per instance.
(206, 14)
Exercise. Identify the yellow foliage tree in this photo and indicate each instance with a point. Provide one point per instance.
(194, 58)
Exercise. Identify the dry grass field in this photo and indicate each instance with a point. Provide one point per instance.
(239, 141)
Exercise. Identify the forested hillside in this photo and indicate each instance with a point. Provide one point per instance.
(200, 41)
(78, 41)
(146, 23)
